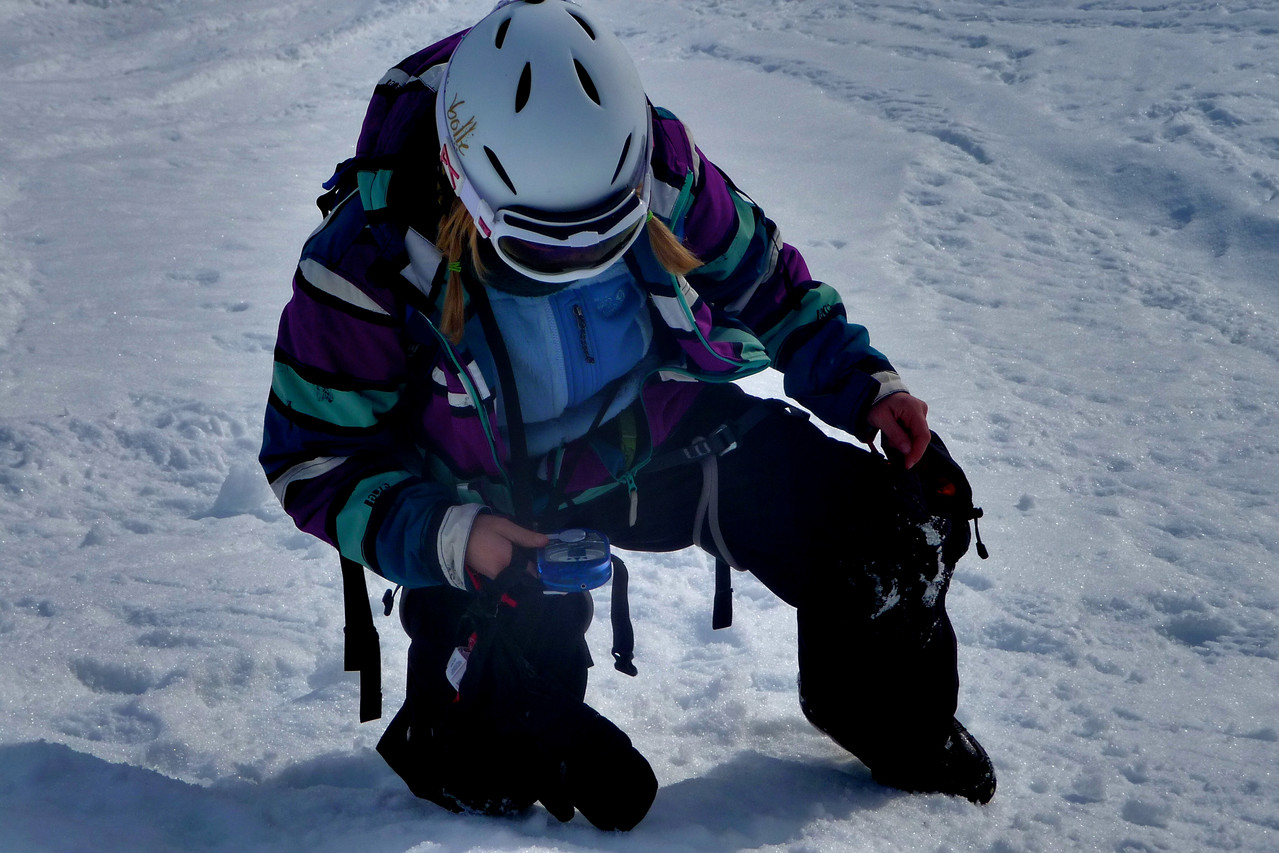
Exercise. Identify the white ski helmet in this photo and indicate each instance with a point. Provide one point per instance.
(546, 137)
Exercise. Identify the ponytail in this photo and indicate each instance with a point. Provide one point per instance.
(457, 234)
(673, 255)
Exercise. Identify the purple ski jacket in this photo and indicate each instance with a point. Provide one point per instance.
(376, 424)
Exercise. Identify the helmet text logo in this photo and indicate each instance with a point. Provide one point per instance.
(458, 128)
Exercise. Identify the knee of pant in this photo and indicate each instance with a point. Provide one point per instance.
(900, 572)
(624, 798)
(602, 774)
(911, 512)
(490, 778)
(463, 770)
(955, 546)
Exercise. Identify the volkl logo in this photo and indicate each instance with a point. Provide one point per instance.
(458, 128)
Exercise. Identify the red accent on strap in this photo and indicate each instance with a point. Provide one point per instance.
(454, 176)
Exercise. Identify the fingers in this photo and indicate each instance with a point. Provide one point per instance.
(918, 445)
(891, 434)
(520, 536)
(902, 421)
(914, 423)
(493, 541)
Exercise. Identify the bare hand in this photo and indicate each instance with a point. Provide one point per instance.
(493, 541)
(902, 421)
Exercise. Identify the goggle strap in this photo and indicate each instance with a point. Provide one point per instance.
(479, 208)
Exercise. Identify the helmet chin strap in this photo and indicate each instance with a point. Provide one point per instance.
(479, 209)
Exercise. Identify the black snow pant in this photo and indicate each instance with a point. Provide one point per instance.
(849, 539)
(494, 717)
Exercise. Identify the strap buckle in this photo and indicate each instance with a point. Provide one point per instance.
(721, 441)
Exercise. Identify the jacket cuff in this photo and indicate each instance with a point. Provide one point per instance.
(889, 384)
(451, 539)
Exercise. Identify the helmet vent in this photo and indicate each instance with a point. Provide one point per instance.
(626, 147)
(497, 167)
(588, 85)
(525, 86)
(501, 33)
(590, 32)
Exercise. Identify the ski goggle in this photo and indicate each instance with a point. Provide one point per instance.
(566, 247)
(558, 247)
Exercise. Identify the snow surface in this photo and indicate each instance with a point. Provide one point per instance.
(1057, 217)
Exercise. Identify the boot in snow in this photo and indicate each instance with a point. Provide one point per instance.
(959, 767)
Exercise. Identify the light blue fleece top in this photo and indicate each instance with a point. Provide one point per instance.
(565, 348)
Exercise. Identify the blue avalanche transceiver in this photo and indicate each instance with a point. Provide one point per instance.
(574, 561)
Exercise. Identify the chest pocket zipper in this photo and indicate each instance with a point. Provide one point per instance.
(580, 316)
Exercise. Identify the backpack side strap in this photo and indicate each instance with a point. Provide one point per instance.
(706, 452)
(363, 647)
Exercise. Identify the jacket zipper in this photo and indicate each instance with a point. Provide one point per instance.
(580, 315)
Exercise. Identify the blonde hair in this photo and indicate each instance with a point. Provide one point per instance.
(457, 234)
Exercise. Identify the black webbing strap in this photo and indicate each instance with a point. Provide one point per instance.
(521, 481)
(721, 440)
(722, 611)
(363, 647)
(620, 614)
